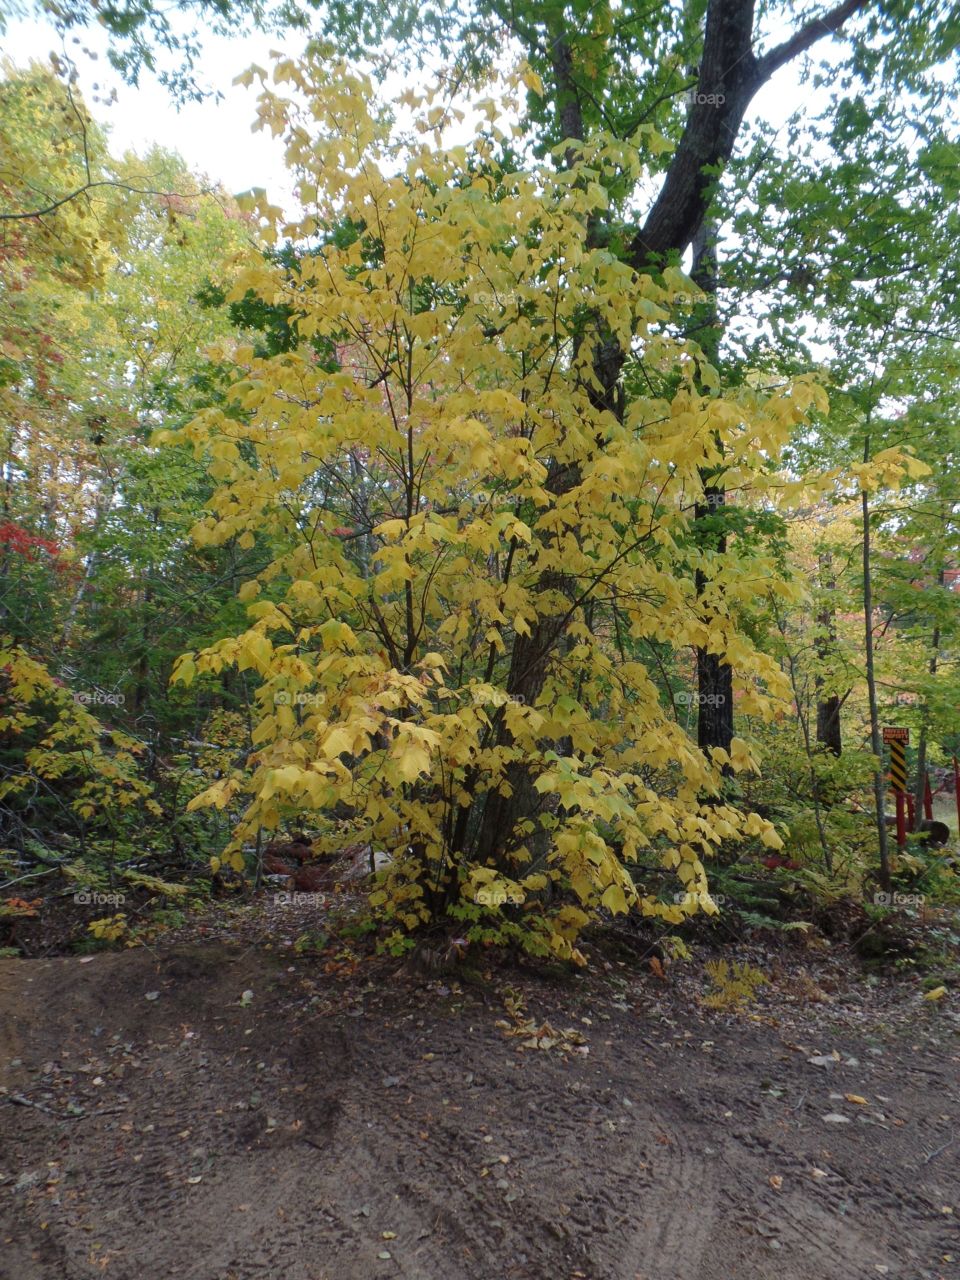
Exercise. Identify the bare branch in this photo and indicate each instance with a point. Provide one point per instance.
(54, 205)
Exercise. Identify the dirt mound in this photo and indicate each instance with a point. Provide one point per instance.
(213, 1113)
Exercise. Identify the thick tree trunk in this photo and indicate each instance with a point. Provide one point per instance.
(828, 724)
(500, 813)
(730, 74)
(715, 710)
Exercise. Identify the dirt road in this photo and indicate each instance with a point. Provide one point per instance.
(215, 1113)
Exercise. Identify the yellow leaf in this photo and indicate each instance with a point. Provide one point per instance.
(614, 899)
(338, 740)
(532, 81)
(413, 760)
(184, 670)
(391, 529)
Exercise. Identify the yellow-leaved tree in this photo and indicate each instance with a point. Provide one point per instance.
(469, 537)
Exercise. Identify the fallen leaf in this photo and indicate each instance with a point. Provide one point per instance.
(936, 993)
(776, 1181)
(855, 1097)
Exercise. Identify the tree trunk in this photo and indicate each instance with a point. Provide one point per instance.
(105, 492)
(828, 708)
(879, 779)
(730, 76)
(828, 724)
(142, 688)
(714, 673)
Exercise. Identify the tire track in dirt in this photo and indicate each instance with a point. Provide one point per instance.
(324, 1139)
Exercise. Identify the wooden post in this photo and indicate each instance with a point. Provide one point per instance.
(927, 798)
(910, 812)
(901, 819)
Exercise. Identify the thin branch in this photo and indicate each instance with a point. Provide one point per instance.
(54, 205)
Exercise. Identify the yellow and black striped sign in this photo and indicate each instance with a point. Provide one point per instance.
(898, 765)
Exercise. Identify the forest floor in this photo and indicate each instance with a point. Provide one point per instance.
(224, 1107)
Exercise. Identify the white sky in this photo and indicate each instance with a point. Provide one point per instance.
(215, 137)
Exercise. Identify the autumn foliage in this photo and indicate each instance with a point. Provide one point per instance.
(466, 551)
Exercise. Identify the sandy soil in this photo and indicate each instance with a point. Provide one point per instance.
(218, 1112)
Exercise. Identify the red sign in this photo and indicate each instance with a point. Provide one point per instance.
(893, 734)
